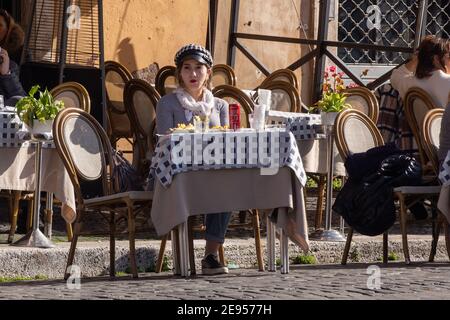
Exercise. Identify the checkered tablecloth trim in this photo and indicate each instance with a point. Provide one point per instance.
(12, 129)
(444, 174)
(302, 125)
(237, 153)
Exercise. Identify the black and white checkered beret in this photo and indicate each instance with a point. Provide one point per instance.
(194, 51)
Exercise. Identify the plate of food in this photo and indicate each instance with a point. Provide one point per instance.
(181, 127)
(219, 128)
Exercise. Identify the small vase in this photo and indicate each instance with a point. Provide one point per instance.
(328, 118)
(41, 127)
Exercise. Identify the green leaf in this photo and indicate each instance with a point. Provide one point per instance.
(44, 108)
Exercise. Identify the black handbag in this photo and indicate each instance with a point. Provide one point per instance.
(124, 176)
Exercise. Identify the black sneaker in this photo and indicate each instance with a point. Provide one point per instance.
(211, 266)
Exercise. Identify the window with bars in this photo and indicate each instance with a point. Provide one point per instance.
(387, 23)
(82, 37)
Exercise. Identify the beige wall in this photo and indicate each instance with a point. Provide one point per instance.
(140, 32)
(276, 18)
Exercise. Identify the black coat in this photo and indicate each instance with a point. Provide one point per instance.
(10, 87)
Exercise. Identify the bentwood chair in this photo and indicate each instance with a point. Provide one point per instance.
(165, 80)
(431, 130)
(86, 152)
(285, 75)
(235, 95)
(355, 132)
(73, 94)
(364, 100)
(140, 104)
(223, 74)
(285, 96)
(417, 103)
(116, 76)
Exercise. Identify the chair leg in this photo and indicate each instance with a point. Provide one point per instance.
(30, 215)
(402, 215)
(319, 206)
(191, 246)
(436, 230)
(242, 216)
(131, 237)
(69, 231)
(162, 248)
(73, 245)
(347, 246)
(112, 244)
(14, 213)
(257, 232)
(385, 247)
(222, 254)
(48, 223)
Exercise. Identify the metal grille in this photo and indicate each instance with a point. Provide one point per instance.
(438, 19)
(380, 22)
(82, 38)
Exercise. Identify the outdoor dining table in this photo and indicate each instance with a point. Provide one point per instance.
(237, 180)
(319, 155)
(18, 166)
(444, 195)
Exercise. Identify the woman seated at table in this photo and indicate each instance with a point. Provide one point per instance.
(11, 41)
(193, 98)
(10, 86)
(404, 72)
(433, 69)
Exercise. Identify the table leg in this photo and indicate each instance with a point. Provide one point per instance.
(284, 251)
(175, 251)
(48, 215)
(35, 238)
(271, 245)
(184, 249)
(328, 234)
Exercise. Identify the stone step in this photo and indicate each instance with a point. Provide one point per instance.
(93, 257)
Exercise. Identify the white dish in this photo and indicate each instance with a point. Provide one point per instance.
(8, 109)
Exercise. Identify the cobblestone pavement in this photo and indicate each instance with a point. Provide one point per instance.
(354, 281)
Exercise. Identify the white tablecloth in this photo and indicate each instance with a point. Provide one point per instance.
(444, 195)
(17, 169)
(224, 190)
(313, 148)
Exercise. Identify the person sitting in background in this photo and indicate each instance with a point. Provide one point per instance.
(392, 121)
(405, 71)
(10, 87)
(11, 36)
(193, 98)
(433, 70)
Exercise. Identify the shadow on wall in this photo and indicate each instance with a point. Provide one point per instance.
(125, 54)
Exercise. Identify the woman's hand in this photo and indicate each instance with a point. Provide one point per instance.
(4, 66)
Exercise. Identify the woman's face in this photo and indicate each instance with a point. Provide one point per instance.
(447, 63)
(3, 28)
(194, 75)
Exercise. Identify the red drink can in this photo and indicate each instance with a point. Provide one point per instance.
(235, 116)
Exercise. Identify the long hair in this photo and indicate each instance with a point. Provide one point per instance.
(430, 48)
(9, 24)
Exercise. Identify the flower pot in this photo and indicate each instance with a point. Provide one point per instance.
(41, 128)
(328, 118)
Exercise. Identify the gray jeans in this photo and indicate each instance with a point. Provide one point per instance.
(216, 226)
